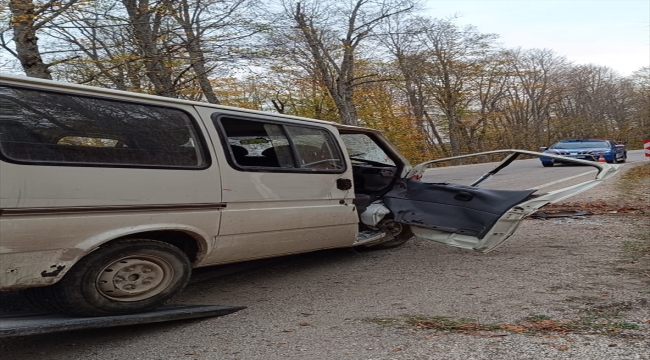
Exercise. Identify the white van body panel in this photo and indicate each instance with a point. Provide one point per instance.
(275, 213)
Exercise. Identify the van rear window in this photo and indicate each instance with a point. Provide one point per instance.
(37, 126)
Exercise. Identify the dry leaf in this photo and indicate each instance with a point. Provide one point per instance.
(304, 324)
(612, 345)
(287, 330)
(563, 348)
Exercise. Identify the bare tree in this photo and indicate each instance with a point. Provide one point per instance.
(27, 19)
(537, 74)
(334, 51)
(641, 102)
(151, 29)
(399, 38)
(455, 57)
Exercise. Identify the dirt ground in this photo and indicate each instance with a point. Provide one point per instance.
(572, 287)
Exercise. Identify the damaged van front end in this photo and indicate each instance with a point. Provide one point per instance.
(468, 216)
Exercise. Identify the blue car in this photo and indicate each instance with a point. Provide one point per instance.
(586, 149)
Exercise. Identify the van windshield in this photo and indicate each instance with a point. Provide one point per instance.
(362, 147)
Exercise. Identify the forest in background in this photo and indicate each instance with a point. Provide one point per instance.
(435, 88)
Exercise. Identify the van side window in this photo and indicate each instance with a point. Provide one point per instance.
(42, 127)
(280, 147)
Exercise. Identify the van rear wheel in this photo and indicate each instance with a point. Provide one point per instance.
(124, 277)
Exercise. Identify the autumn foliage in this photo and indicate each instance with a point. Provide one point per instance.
(433, 87)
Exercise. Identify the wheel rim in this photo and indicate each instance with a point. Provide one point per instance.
(134, 278)
(394, 228)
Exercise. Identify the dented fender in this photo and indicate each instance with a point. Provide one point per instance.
(40, 268)
(23, 267)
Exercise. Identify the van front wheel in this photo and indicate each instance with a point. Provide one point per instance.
(124, 277)
(401, 233)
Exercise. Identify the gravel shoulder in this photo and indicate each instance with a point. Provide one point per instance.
(587, 277)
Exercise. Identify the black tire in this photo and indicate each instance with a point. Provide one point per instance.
(624, 158)
(401, 234)
(547, 163)
(124, 277)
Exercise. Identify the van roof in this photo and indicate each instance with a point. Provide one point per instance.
(17, 79)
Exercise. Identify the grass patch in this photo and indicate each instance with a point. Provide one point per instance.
(632, 198)
(636, 180)
(637, 254)
(537, 317)
(590, 300)
(442, 323)
(591, 323)
(639, 248)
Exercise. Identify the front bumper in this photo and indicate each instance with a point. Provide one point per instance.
(588, 157)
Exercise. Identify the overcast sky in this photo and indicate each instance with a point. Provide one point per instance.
(613, 33)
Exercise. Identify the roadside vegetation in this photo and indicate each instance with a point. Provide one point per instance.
(435, 88)
(531, 325)
(633, 196)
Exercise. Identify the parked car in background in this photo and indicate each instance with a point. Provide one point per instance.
(585, 149)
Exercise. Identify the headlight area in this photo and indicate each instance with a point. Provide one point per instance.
(600, 152)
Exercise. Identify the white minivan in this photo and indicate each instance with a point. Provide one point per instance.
(108, 199)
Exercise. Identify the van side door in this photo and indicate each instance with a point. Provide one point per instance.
(287, 186)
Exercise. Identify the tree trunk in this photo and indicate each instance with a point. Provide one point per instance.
(144, 26)
(27, 51)
(193, 45)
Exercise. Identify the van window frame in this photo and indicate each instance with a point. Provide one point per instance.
(200, 136)
(230, 158)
